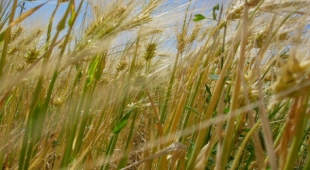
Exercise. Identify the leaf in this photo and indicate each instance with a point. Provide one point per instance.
(20, 19)
(226, 110)
(208, 89)
(193, 110)
(214, 77)
(73, 14)
(198, 17)
(215, 8)
(92, 71)
(122, 123)
(201, 161)
(62, 23)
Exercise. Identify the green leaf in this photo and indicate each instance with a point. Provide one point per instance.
(215, 8)
(193, 110)
(208, 89)
(122, 123)
(209, 93)
(61, 24)
(92, 71)
(72, 14)
(226, 110)
(198, 17)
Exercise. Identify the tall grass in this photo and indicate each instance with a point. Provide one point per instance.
(156, 85)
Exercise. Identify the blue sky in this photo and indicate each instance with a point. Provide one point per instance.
(42, 16)
(47, 9)
(172, 12)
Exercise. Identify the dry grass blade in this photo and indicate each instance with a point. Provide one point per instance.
(203, 156)
(175, 147)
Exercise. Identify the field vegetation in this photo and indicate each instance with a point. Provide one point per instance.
(132, 84)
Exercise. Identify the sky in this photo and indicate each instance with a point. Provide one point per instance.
(47, 9)
(42, 16)
(170, 14)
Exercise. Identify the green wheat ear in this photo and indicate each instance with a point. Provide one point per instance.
(150, 51)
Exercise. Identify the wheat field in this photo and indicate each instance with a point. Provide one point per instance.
(155, 84)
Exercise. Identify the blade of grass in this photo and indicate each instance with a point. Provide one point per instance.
(6, 36)
(243, 145)
(300, 123)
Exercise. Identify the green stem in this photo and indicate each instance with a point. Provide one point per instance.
(243, 145)
(123, 162)
(163, 111)
(299, 131)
